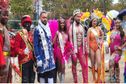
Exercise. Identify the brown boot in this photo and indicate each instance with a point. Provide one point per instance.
(93, 73)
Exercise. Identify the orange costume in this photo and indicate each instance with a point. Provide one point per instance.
(93, 43)
(95, 46)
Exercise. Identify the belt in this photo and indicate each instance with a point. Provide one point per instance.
(5, 53)
(24, 60)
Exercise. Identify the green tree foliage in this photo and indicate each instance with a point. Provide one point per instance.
(119, 6)
(122, 4)
(66, 7)
(21, 7)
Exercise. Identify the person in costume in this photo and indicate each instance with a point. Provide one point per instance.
(5, 69)
(76, 33)
(116, 45)
(94, 40)
(43, 50)
(24, 50)
(62, 50)
(123, 24)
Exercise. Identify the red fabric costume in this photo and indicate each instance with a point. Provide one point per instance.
(20, 47)
(2, 59)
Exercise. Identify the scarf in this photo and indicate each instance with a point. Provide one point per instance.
(74, 31)
(61, 42)
(74, 37)
(43, 31)
(6, 46)
(96, 37)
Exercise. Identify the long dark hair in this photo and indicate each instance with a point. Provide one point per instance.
(90, 24)
(59, 25)
(121, 30)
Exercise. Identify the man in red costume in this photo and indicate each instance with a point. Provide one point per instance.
(5, 70)
(24, 49)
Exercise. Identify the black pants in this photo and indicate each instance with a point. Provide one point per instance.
(28, 74)
(55, 71)
(46, 75)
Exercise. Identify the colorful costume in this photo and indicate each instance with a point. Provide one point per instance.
(114, 70)
(124, 50)
(43, 51)
(53, 24)
(79, 52)
(5, 72)
(62, 49)
(93, 39)
(2, 58)
(95, 46)
(23, 41)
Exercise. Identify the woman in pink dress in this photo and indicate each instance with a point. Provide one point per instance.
(61, 49)
(116, 42)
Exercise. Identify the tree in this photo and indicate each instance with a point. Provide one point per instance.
(122, 4)
(21, 7)
(66, 7)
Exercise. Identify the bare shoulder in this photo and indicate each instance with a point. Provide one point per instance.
(89, 29)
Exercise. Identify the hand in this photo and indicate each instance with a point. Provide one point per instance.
(34, 69)
(26, 51)
(107, 50)
(116, 59)
(72, 53)
(119, 48)
(39, 63)
(87, 50)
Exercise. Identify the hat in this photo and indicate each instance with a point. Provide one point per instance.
(76, 11)
(26, 18)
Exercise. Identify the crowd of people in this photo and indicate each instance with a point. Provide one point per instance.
(38, 52)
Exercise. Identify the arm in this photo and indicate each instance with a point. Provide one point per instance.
(101, 34)
(36, 45)
(70, 34)
(70, 40)
(88, 35)
(55, 37)
(18, 41)
(124, 43)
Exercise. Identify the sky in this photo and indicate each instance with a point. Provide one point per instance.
(115, 1)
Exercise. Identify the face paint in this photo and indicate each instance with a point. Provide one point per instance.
(27, 25)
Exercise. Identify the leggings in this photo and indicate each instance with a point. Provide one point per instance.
(84, 65)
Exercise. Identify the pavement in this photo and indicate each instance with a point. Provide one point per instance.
(69, 76)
